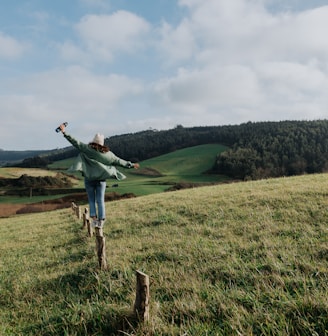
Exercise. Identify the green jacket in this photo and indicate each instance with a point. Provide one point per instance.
(95, 165)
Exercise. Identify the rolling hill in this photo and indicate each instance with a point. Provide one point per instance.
(180, 169)
(247, 258)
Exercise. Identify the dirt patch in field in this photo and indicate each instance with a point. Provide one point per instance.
(7, 210)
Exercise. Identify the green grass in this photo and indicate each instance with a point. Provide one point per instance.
(247, 258)
(62, 164)
(186, 162)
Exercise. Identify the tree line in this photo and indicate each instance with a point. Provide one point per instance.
(256, 149)
(273, 149)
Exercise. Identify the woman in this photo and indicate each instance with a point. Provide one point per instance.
(96, 162)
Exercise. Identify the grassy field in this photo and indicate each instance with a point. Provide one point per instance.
(15, 172)
(247, 258)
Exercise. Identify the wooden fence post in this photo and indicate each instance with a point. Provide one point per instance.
(89, 227)
(101, 251)
(85, 218)
(141, 305)
(78, 212)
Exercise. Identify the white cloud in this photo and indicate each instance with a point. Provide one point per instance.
(105, 35)
(304, 34)
(176, 44)
(294, 90)
(76, 91)
(10, 47)
(74, 95)
(245, 31)
(246, 63)
(70, 51)
(218, 87)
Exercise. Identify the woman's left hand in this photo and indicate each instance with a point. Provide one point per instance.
(62, 128)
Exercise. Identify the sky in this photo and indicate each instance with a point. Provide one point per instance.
(124, 66)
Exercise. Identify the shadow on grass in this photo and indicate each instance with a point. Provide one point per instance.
(81, 303)
(84, 300)
(109, 323)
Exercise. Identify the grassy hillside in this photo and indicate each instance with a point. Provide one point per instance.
(236, 259)
(185, 165)
(186, 162)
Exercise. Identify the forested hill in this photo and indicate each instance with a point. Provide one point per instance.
(17, 156)
(257, 150)
(31, 158)
(272, 149)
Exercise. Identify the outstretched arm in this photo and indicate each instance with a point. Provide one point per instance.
(76, 143)
(108, 158)
(116, 161)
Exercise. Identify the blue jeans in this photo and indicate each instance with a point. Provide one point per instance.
(96, 195)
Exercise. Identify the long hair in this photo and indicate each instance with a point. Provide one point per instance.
(99, 148)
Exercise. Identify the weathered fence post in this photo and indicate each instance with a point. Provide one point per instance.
(78, 212)
(141, 305)
(85, 218)
(101, 251)
(89, 227)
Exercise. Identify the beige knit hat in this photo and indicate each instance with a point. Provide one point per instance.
(98, 139)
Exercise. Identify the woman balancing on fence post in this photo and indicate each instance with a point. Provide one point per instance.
(97, 163)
